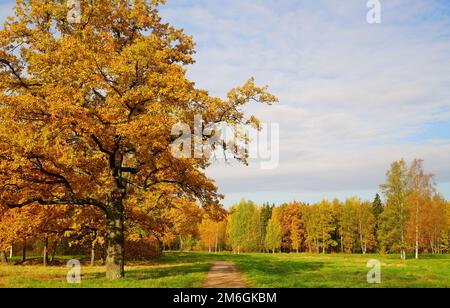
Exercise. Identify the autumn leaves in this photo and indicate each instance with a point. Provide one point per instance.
(87, 112)
(413, 219)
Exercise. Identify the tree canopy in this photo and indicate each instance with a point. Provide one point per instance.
(88, 109)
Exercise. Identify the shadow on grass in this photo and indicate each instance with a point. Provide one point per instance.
(139, 274)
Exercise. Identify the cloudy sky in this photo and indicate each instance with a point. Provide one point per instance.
(353, 96)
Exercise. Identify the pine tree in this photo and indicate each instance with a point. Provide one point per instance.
(377, 207)
(377, 210)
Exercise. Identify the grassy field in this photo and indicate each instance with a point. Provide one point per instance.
(188, 270)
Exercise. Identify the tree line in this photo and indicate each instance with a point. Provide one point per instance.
(413, 218)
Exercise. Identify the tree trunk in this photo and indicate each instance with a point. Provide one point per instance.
(417, 231)
(54, 249)
(24, 251)
(115, 263)
(11, 251)
(181, 243)
(402, 248)
(3, 257)
(217, 238)
(45, 251)
(92, 255)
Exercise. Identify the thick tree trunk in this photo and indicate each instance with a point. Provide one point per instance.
(115, 263)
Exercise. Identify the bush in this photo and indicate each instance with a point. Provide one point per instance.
(143, 249)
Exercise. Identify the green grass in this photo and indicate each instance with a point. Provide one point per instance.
(138, 275)
(331, 271)
(188, 270)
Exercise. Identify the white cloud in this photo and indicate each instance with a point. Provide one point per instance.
(350, 92)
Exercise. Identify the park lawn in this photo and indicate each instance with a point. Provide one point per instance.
(188, 270)
(332, 271)
(343, 271)
(138, 275)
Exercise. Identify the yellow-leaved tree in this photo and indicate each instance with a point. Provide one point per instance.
(87, 109)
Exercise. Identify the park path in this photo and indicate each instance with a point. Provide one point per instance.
(224, 275)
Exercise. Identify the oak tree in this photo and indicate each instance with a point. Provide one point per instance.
(88, 109)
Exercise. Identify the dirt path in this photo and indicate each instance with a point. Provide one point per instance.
(224, 275)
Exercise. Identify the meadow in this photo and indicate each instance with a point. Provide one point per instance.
(189, 270)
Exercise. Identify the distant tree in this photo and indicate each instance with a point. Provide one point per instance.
(421, 188)
(394, 220)
(274, 234)
(298, 233)
(292, 226)
(319, 222)
(377, 210)
(186, 218)
(349, 225)
(435, 226)
(243, 227)
(377, 207)
(207, 234)
(266, 214)
(213, 234)
(338, 215)
(366, 226)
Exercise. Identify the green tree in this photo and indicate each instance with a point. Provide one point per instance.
(394, 220)
(377, 207)
(348, 225)
(320, 226)
(377, 210)
(266, 214)
(243, 235)
(274, 234)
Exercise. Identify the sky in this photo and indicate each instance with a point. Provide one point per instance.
(354, 96)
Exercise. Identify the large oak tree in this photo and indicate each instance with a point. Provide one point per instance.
(87, 110)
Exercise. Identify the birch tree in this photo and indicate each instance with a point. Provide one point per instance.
(394, 220)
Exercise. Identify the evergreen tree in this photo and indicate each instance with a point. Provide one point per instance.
(377, 207)
(377, 210)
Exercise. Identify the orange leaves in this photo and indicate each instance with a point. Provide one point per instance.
(88, 108)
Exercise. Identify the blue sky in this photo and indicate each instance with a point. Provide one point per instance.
(353, 96)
